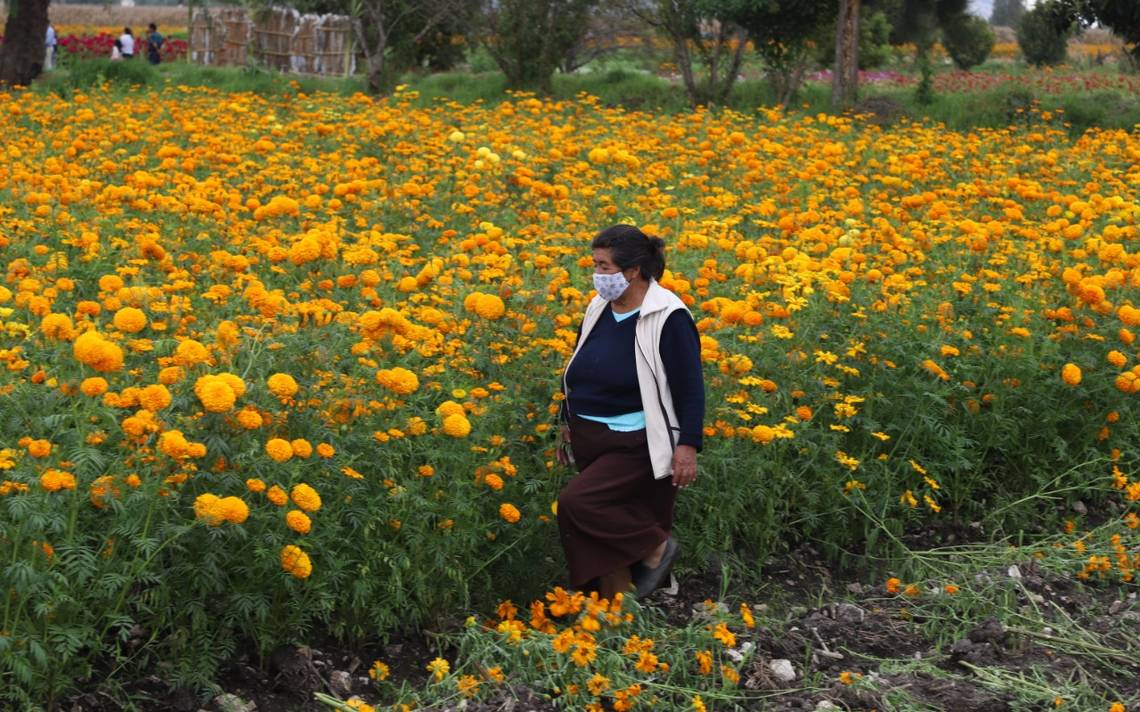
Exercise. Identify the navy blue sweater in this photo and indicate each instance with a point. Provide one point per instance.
(603, 376)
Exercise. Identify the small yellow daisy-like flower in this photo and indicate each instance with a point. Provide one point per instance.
(379, 671)
(439, 669)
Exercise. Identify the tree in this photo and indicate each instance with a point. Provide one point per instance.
(1120, 16)
(1007, 13)
(382, 27)
(919, 21)
(708, 62)
(529, 39)
(969, 41)
(781, 31)
(1042, 41)
(22, 52)
(845, 75)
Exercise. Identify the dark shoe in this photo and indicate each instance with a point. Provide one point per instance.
(649, 580)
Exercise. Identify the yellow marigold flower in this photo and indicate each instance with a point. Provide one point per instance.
(893, 585)
(325, 450)
(53, 480)
(277, 496)
(449, 408)
(467, 685)
(509, 513)
(490, 307)
(39, 448)
(255, 485)
(279, 449)
(724, 635)
(457, 426)
(170, 375)
(379, 671)
(154, 397)
(296, 562)
(130, 320)
(598, 684)
(298, 521)
(282, 385)
(94, 386)
(305, 497)
(398, 380)
(234, 381)
(1117, 359)
(1071, 374)
(190, 353)
(439, 669)
(173, 443)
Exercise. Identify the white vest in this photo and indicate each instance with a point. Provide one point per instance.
(661, 426)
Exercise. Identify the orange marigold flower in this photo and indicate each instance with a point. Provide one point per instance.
(39, 448)
(130, 320)
(94, 386)
(298, 521)
(296, 562)
(53, 480)
(509, 513)
(1071, 374)
(255, 485)
(277, 496)
(398, 380)
(325, 450)
(305, 497)
(279, 449)
(301, 448)
(457, 426)
(282, 385)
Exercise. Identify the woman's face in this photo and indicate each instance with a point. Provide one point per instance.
(604, 264)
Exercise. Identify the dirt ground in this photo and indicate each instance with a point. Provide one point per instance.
(898, 656)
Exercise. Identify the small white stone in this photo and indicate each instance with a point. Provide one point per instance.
(782, 669)
(826, 705)
(1014, 572)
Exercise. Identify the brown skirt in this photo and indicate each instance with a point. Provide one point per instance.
(613, 513)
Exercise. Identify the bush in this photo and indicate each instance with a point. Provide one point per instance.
(874, 41)
(969, 40)
(1040, 41)
(93, 72)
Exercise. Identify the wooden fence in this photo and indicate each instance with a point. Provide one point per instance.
(280, 38)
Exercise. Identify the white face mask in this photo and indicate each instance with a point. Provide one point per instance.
(610, 286)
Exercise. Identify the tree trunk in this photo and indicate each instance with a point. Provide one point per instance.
(23, 51)
(845, 77)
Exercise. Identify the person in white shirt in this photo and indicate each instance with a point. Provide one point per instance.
(127, 43)
(50, 43)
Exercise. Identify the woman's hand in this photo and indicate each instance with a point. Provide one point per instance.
(562, 449)
(684, 466)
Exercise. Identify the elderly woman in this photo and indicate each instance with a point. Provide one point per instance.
(632, 419)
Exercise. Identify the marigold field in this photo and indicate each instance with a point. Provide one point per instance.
(275, 368)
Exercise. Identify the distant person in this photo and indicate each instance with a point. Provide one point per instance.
(127, 43)
(117, 51)
(153, 44)
(51, 43)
